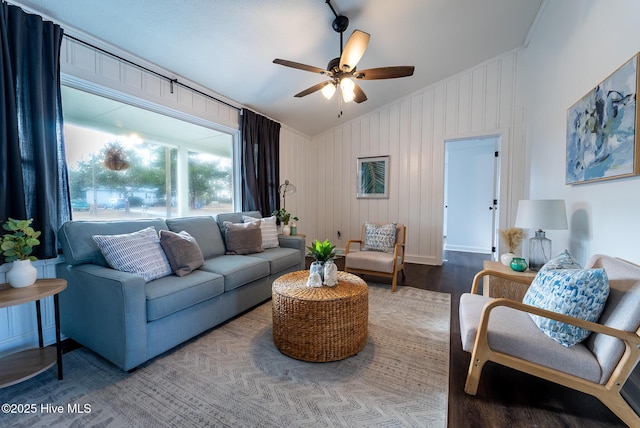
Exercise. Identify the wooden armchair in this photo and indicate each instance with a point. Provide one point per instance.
(501, 330)
(378, 263)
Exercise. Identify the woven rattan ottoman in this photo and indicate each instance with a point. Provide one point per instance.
(320, 324)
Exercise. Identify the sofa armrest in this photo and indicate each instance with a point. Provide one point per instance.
(106, 311)
(296, 242)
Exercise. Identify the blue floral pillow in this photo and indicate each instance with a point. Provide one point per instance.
(580, 293)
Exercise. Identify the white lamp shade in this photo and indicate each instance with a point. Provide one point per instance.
(542, 214)
(328, 90)
(347, 86)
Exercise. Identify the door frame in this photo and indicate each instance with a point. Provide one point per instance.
(469, 144)
(504, 187)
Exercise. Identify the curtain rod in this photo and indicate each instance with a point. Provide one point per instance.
(169, 79)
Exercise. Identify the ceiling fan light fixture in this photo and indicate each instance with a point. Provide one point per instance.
(347, 87)
(328, 90)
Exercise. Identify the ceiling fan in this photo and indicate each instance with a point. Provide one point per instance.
(342, 71)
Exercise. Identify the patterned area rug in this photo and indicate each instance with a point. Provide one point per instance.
(234, 376)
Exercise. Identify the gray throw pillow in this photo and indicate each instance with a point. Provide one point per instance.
(182, 251)
(243, 238)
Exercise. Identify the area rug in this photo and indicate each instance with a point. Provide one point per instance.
(234, 376)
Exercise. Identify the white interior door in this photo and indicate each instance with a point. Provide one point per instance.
(470, 195)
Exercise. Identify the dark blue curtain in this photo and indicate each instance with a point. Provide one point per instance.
(260, 163)
(33, 172)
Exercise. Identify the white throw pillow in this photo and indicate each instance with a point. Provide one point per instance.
(268, 228)
(138, 253)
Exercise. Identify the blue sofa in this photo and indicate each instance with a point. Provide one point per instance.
(127, 321)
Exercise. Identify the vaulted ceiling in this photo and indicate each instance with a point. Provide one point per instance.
(228, 46)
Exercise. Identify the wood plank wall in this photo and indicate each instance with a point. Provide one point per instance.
(479, 102)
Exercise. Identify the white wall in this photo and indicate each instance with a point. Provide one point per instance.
(575, 45)
(479, 102)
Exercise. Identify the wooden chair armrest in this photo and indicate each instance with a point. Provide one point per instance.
(488, 272)
(349, 242)
(632, 339)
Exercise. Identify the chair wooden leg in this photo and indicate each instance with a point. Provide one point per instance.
(620, 408)
(394, 282)
(478, 360)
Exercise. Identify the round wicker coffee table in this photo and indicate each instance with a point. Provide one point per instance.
(320, 324)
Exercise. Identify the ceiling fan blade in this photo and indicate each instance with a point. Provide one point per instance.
(299, 66)
(353, 50)
(360, 95)
(384, 73)
(312, 89)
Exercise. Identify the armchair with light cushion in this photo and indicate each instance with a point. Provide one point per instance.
(375, 256)
(501, 330)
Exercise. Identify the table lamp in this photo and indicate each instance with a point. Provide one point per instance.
(541, 214)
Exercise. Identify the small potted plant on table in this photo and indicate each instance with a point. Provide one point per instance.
(284, 217)
(323, 270)
(17, 246)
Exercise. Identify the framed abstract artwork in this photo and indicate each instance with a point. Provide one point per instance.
(602, 129)
(373, 177)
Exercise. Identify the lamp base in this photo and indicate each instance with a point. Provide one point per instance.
(539, 250)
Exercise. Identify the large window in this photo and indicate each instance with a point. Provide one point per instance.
(127, 162)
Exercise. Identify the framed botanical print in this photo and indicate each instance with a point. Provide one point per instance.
(373, 177)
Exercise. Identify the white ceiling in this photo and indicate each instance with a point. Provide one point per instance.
(228, 46)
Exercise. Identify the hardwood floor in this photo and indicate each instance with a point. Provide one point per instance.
(506, 397)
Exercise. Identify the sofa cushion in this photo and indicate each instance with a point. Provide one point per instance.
(580, 293)
(182, 251)
(268, 228)
(380, 237)
(514, 333)
(371, 260)
(237, 270)
(279, 258)
(79, 247)
(243, 238)
(172, 294)
(139, 253)
(204, 229)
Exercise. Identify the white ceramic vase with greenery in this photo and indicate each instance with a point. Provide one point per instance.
(17, 246)
(322, 253)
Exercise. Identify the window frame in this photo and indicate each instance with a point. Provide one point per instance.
(132, 100)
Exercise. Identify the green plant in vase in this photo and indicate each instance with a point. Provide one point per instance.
(17, 246)
(19, 243)
(284, 217)
(322, 251)
(323, 254)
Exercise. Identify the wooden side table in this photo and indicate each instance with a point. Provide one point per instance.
(26, 364)
(502, 281)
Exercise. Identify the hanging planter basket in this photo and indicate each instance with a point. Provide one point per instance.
(114, 159)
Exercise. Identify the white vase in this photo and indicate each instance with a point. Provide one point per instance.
(286, 230)
(505, 259)
(315, 275)
(330, 274)
(22, 274)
